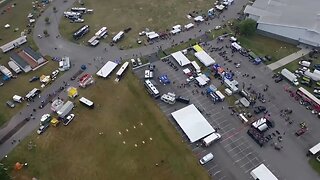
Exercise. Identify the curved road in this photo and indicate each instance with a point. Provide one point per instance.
(84, 55)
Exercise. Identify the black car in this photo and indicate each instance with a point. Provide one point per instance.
(278, 79)
(183, 100)
(33, 79)
(127, 30)
(259, 109)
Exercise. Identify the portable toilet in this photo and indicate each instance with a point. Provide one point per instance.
(54, 122)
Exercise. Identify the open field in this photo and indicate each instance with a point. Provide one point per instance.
(79, 152)
(139, 14)
(262, 46)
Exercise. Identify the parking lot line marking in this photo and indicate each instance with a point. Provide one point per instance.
(217, 172)
(244, 164)
(213, 167)
(222, 177)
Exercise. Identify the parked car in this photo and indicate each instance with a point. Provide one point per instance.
(33, 79)
(259, 109)
(278, 79)
(134, 63)
(206, 158)
(10, 104)
(54, 73)
(301, 131)
(139, 61)
(68, 119)
(42, 129)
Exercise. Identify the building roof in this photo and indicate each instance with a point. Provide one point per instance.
(291, 13)
(32, 53)
(17, 59)
(192, 122)
(180, 58)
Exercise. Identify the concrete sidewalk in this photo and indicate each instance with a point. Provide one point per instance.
(290, 58)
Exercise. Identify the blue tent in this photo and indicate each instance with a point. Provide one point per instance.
(164, 79)
(257, 61)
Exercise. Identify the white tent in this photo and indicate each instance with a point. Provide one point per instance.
(180, 58)
(201, 81)
(152, 35)
(192, 122)
(107, 69)
(204, 58)
(262, 173)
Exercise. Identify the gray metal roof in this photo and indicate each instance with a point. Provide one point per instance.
(16, 58)
(32, 53)
(303, 14)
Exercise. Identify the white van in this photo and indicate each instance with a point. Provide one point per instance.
(210, 139)
(206, 158)
(17, 98)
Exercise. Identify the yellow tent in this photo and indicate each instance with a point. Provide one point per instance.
(197, 48)
(54, 122)
(72, 92)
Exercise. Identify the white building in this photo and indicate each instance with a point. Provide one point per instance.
(293, 20)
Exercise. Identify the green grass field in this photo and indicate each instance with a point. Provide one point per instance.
(21, 85)
(139, 14)
(315, 164)
(262, 46)
(78, 151)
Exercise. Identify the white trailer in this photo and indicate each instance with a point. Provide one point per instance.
(290, 76)
(169, 98)
(210, 139)
(220, 95)
(5, 71)
(65, 109)
(118, 36)
(14, 67)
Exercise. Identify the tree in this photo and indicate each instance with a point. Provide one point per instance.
(247, 27)
(47, 20)
(3, 174)
(45, 32)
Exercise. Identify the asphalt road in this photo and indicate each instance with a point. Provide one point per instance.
(237, 153)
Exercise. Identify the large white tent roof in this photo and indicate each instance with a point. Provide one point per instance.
(180, 58)
(107, 69)
(204, 58)
(262, 173)
(192, 122)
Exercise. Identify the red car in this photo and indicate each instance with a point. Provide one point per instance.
(301, 131)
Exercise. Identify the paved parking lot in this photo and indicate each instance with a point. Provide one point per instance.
(236, 154)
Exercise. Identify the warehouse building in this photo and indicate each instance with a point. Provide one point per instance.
(294, 21)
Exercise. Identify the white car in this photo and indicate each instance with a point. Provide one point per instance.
(206, 158)
(133, 62)
(68, 119)
(42, 129)
(139, 61)
(54, 73)
(217, 27)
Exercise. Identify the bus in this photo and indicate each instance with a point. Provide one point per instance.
(86, 102)
(151, 88)
(81, 32)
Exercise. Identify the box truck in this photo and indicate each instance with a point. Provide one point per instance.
(290, 76)
(211, 138)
